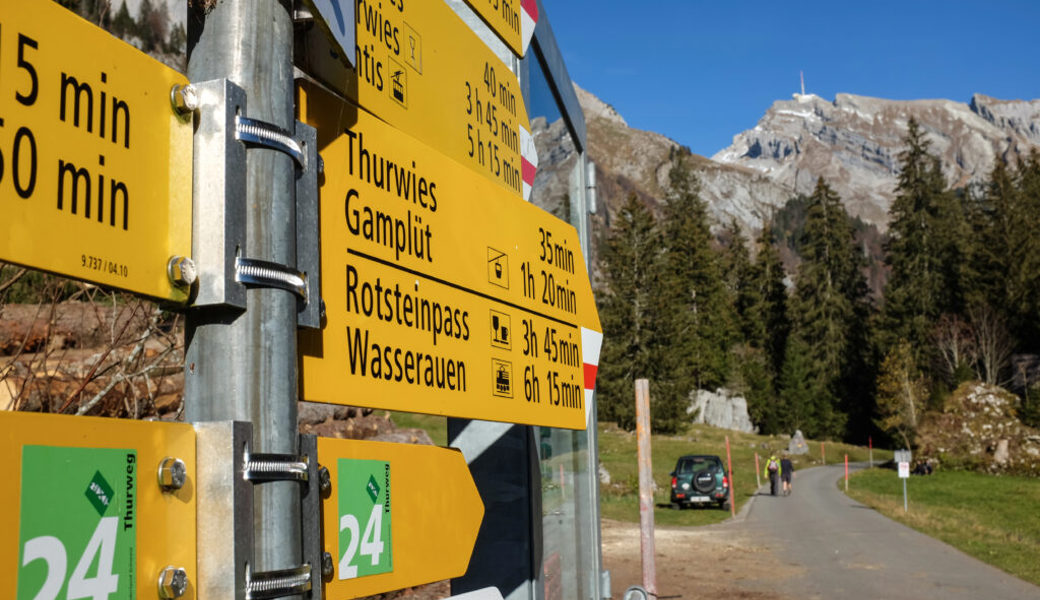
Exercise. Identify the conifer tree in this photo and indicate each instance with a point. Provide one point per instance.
(830, 311)
(798, 391)
(737, 272)
(629, 314)
(926, 250)
(701, 328)
(752, 373)
(768, 276)
(765, 327)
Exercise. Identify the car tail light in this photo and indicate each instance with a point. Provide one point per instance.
(675, 481)
(725, 481)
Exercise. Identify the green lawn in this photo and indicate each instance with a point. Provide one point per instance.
(994, 519)
(435, 426)
(617, 450)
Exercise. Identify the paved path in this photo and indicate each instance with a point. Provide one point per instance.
(840, 548)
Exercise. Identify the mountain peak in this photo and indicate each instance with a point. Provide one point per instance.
(595, 108)
(854, 142)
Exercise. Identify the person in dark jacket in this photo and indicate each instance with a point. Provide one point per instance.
(786, 473)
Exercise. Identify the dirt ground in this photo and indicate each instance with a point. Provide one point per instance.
(692, 562)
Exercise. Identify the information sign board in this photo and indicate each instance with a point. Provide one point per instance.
(95, 166)
(512, 20)
(399, 515)
(84, 515)
(424, 71)
(444, 293)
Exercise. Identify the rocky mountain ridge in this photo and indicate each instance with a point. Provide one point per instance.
(852, 141)
(855, 141)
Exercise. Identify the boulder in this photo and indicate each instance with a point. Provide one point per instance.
(722, 409)
(797, 444)
(978, 429)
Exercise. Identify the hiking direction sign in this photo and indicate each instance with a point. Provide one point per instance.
(85, 515)
(422, 69)
(398, 515)
(512, 20)
(445, 294)
(95, 165)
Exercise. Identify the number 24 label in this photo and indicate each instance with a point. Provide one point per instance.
(78, 511)
(365, 535)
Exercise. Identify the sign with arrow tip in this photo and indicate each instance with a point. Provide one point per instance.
(398, 515)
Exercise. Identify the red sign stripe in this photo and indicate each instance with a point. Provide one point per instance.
(590, 376)
(531, 8)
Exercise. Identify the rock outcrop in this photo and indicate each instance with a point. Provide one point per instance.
(978, 429)
(722, 409)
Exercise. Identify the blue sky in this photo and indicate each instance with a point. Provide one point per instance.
(700, 72)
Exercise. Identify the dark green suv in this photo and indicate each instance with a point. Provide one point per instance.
(700, 479)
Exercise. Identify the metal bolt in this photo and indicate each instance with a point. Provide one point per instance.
(324, 480)
(173, 582)
(184, 99)
(172, 474)
(326, 565)
(181, 271)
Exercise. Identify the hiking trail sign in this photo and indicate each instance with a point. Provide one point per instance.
(421, 69)
(513, 21)
(398, 515)
(445, 294)
(85, 515)
(95, 166)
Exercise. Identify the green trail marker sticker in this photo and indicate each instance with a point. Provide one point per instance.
(78, 527)
(99, 493)
(365, 542)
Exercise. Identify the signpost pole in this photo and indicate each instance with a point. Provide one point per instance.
(242, 365)
(646, 485)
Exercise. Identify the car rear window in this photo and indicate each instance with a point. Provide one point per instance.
(691, 465)
(694, 465)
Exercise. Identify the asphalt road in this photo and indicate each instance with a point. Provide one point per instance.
(839, 548)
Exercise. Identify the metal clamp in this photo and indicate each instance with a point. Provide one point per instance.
(219, 223)
(227, 475)
(267, 135)
(262, 273)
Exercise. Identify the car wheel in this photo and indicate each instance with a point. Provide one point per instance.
(724, 505)
(676, 506)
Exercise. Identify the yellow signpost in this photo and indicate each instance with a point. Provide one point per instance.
(95, 166)
(423, 70)
(512, 20)
(444, 294)
(84, 513)
(399, 515)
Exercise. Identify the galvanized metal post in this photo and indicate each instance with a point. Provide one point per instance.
(646, 486)
(242, 365)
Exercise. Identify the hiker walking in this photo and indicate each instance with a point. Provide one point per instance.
(786, 473)
(773, 472)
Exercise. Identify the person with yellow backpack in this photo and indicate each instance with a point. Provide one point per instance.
(773, 470)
